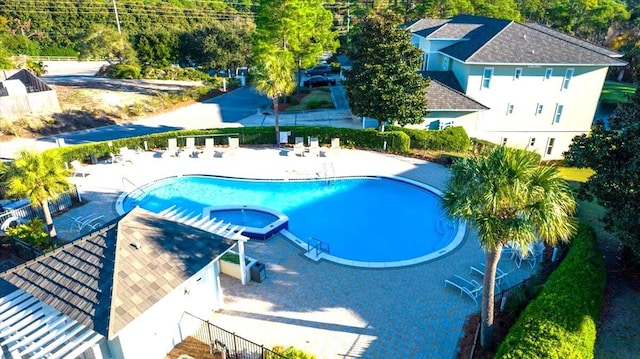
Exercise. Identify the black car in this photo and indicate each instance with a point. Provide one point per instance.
(315, 81)
(322, 69)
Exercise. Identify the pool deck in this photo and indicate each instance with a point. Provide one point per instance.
(327, 309)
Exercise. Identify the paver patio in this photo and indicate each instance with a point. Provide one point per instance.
(330, 310)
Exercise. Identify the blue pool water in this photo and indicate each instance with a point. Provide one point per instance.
(367, 219)
(244, 217)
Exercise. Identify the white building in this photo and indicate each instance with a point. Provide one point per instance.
(522, 85)
(119, 292)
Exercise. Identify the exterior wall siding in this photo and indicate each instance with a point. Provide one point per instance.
(154, 333)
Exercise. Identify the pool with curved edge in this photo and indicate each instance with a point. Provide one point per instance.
(365, 221)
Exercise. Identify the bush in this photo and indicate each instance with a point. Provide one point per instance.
(397, 141)
(448, 139)
(32, 233)
(561, 321)
(175, 73)
(292, 353)
(122, 71)
(56, 50)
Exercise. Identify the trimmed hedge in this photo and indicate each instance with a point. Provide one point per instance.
(397, 142)
(448, 139)
(561, 321)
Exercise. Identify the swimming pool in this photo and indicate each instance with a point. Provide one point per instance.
(389, 221)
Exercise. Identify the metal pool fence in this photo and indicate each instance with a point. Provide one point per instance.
(226, 343)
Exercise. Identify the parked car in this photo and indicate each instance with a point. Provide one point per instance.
(315, 81)
(322, 69)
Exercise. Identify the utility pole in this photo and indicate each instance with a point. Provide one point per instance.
(115, 9)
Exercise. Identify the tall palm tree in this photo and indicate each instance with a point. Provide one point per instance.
(274, 77)
(509, 197)
(40, 177)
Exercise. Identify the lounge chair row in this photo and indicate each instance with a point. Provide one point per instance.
(314, 149)
(191, 150)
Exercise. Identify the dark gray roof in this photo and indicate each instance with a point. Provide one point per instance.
(445, 93)
(421, 24)
(495, 41)
(104, 282)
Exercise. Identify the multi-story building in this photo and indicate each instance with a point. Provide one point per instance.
(521, 85)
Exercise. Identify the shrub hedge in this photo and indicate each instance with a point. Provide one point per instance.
(561, 321)
(448, 139)
(396, 141)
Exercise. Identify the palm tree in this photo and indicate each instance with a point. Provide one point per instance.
(274, 78)
(509, 197)
(39, 177)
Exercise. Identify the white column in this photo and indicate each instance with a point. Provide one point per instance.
(243, 271)
(219, 296)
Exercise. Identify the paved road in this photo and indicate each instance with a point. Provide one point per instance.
(222, 111)
(241, 107)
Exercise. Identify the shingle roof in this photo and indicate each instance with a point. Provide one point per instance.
(421, 24)
(104, 282)
(495, 41)
(445, 93)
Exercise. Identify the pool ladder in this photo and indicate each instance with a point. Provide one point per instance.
(329, 172)
(136, 187)
(317, 245)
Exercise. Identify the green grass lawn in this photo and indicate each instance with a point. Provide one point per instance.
(615, 92)
(589, 211)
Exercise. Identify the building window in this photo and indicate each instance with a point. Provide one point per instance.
(567, 78)
(517, 74)
(548, 73)
(558, 113)
(509, 109)
(503, 141)
(486, 77)
(532, 141)
(550, 144)
(539, 109)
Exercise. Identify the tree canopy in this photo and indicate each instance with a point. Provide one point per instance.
(301, 27)
(39, 177)
(612, 152)
(384, 82)
(106, 43)
(508, 197)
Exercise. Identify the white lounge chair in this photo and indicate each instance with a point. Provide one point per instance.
(78, 169)
(234, 144)
(81, 222)
(314, 147)
(333, 149)
(209, 149)
(500, 274)
(172, 148)
(298, 146)
(190, 148)
(469, 287)
(126, 154)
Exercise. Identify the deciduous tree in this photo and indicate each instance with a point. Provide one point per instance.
(106, 43)
(384, 82)
(508, 197)
(613, 154)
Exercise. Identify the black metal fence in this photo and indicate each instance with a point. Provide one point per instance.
(225, 343)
